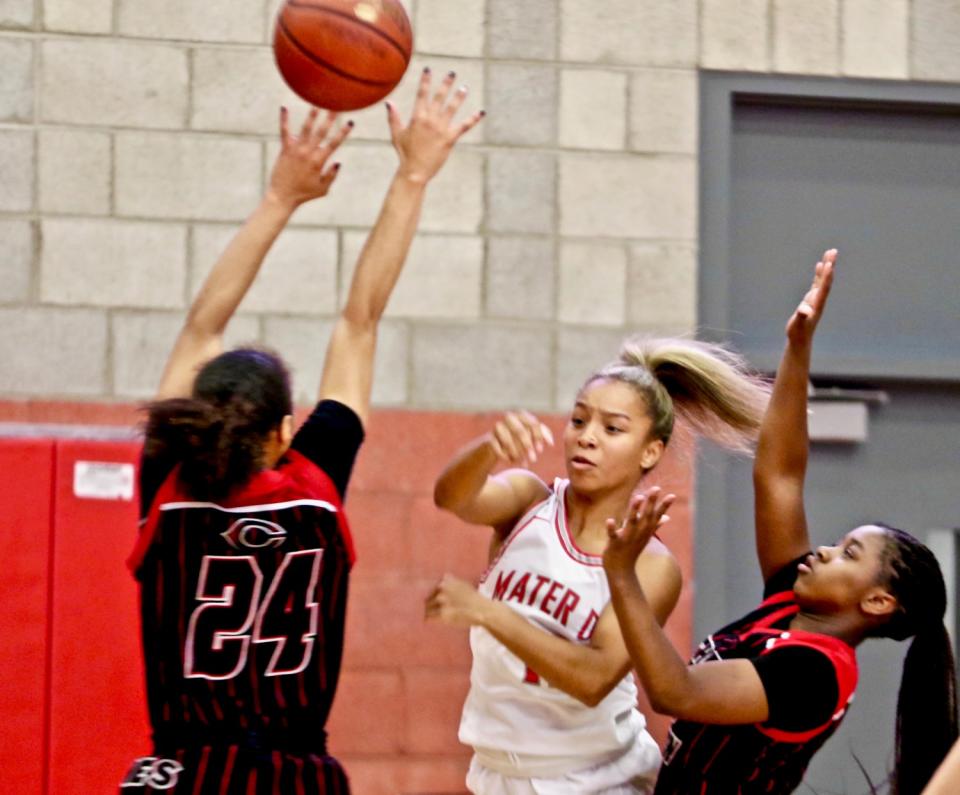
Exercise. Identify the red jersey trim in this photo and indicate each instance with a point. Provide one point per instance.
(567, 541)
(525, 521)
(844, 661)
(298, 481)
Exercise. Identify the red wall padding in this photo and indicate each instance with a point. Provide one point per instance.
(394, 721)
(98, 721)
(26, 475)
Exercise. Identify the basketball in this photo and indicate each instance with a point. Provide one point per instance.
(342, 54)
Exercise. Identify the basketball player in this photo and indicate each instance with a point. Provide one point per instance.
(552, 706)
(763, 694)
(245, 552)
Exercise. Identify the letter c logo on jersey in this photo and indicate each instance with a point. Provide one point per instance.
(153, 772)
(254, 534)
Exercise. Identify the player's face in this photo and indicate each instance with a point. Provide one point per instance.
(843, 575)
(606, 442)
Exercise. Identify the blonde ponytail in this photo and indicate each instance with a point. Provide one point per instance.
(710, 387)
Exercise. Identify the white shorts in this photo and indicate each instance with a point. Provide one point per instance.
(633, 773)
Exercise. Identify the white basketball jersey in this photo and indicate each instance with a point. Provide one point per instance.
(542, 574)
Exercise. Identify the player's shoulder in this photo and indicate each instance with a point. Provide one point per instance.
(657, 564)
(658, 556)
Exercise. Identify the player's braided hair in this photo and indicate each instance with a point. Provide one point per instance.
(709, 386)
(926, 705)
(217, 434)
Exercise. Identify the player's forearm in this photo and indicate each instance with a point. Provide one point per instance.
(236, 269)
(783, 445)
(465, 476)
(385, 251)
(663, 673)
(577, 670)
(946, 780)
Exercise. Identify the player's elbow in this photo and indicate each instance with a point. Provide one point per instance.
(591, 692)
(442, 496)
(363, 316)
(661, 704)
(586, 696)
(682, 703)
(445, 498)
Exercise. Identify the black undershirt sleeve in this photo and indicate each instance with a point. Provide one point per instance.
(801, 687)
(331, 438)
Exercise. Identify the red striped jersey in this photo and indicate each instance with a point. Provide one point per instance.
(243, 604)
(809, 681)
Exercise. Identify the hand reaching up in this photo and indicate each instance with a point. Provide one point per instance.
(647, 512)
(803, 322)
(519, 438)
(300, 172)
(425, 143)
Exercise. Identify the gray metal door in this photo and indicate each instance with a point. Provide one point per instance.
(785, 174)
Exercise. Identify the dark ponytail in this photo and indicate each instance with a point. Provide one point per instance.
(927, 704)
(217, 435)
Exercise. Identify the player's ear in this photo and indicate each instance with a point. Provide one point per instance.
(879, 603)
(286, 431)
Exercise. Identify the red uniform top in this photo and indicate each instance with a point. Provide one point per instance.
(243, 602)
(809, 681)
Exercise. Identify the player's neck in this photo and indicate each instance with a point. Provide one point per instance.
(587, 516)
(845, 627)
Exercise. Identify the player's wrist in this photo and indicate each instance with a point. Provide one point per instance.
(280, 202)
(620, 573)
(411, 179)
(485, 612)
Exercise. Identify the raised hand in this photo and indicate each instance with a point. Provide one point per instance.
(647, 512)
(454, 602)
(300, 172)
(425, 143)
(519, 438)
(803, 322)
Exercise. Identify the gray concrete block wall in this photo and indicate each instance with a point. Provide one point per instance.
(136, 136)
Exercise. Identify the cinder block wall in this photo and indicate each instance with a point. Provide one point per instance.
(135, 136)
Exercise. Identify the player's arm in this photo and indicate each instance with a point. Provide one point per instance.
(946, 781)
(468, 487)
(300, 173)
(722, 692)
(780, 465)
(423, 147)
(586, 672)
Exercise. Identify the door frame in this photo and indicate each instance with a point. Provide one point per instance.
(719, 91)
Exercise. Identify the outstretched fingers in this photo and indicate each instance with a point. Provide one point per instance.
(423, 92)
(813, 302)
(455, 102)
(328, 176)
(469, 124)
(443, 91)
(284, 126)
(318, 134)
(394, 120)
(327, 146)
(306, 128)
(823, 280)
(648, 511)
